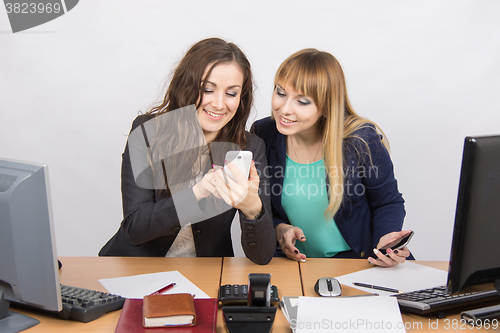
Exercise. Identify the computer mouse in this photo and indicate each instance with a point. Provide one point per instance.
(327, 286)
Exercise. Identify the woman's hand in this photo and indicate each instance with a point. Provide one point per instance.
(242, 194)
(206, 186)
(393, 258)
(286, 236)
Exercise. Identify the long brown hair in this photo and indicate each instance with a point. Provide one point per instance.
(319, 75)
(186, 88)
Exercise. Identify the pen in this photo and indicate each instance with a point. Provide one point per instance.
(162, 290)
(364, 285)
(362, 295)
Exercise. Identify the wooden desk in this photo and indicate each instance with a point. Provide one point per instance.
(208, 273)
(85, 273)
(315, 268)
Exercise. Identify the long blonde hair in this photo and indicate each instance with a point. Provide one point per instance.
(319, 75)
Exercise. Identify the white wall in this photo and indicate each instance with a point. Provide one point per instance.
(426, 71)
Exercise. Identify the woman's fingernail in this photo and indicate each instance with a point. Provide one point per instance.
(302, 260)
(389, 251)
(302, 238)
(296, 252)
(375, 251)
(396, 251)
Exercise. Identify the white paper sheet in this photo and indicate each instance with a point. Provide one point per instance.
(357, 314)
(406, 277)
(138, 286)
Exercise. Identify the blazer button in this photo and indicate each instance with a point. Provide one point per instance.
(177, 228)
(251, 244)
(251, 235)
(250, 227)
(362, 254)
(197, 232)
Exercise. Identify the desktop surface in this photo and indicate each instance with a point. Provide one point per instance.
(85, 272)
(315, 268)
(208, 273)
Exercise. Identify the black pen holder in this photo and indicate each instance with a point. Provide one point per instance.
(249, 319)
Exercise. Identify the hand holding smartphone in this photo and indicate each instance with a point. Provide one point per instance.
(397, 244)
(241, 159)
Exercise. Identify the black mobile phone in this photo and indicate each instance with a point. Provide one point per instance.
(397, 244)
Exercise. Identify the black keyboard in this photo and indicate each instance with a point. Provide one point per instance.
(437, 299)
(86, 305)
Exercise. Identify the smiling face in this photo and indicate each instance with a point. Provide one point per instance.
(295, 114)
(220, 99)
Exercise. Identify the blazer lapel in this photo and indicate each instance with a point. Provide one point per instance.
(277, 161)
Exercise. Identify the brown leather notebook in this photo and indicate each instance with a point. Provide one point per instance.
(168, 310)
(206, 318)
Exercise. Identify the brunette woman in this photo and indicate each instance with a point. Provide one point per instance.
(176, 199)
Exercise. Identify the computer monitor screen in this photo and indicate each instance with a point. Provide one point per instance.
(28, 262)
(475, 252)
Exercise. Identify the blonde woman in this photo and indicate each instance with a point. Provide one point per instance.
(333, 190)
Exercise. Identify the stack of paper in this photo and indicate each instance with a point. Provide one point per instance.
(138, 286)
(289, 307)
(406, 277)
(345, 314)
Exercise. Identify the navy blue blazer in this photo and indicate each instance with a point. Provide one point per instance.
(372, 205)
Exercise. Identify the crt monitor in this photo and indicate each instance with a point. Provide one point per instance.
(475, 251)
(29, 271)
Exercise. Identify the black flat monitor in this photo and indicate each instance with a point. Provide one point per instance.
(29, 271)
(475, 251)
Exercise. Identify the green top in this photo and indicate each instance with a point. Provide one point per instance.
(305, 199)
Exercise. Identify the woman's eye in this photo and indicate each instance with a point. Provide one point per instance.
(280, 93)
(208, 91)
(304, 101)
(232, 94)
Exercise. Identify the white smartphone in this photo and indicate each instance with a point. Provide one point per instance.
(242, 159)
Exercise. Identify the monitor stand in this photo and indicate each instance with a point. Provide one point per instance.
(483, 315)
(12, 322)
